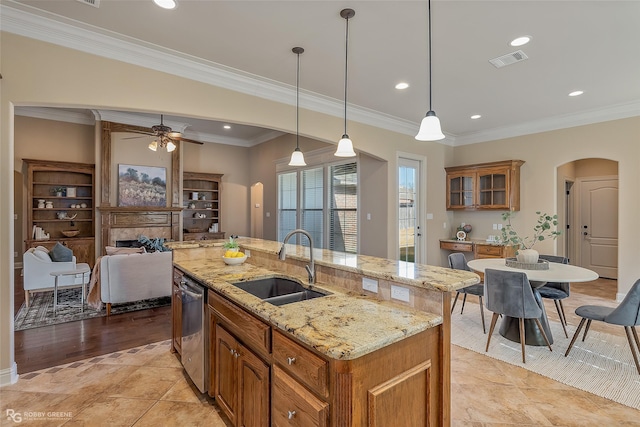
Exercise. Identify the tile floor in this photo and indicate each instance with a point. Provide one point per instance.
(145, 386)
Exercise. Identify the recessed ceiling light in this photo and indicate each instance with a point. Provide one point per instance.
(227, 127)
(520, 41)
(576, 93)
(475, 116)
(402, 85)
(166, 4)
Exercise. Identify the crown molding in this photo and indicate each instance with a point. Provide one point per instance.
(615, 112)
(30, 22)
(57, 114)
(136, 120)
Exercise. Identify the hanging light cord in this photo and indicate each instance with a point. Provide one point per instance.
(298, 102)
(430, 86)
(346, 68)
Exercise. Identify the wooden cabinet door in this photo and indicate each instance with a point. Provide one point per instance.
(493, 188)
(253, 390)
(461, 190)
(226, 373)
(83, 249)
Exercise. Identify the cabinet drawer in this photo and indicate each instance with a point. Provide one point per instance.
(455, 246)
(293, 405)
(489, 250)
(252, 331)
(301, 363)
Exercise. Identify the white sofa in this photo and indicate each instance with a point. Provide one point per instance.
(135, 277)
(37, 269)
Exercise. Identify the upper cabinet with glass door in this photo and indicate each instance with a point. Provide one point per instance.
(483, 186)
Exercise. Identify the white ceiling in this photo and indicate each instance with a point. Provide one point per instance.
(586, 45)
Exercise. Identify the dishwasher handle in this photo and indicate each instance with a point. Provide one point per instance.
(184, 288)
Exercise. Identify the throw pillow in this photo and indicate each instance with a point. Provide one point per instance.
(60, 253)
(113, 250)
(42, 248)
(41, 255)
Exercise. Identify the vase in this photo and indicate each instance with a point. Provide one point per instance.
(530, 256)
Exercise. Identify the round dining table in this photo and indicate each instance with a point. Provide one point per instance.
(557, 272)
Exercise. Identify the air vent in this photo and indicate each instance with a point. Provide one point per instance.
(508, 59)
(94, 3)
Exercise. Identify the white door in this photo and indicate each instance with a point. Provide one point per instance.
(599, 226)
(409, 226)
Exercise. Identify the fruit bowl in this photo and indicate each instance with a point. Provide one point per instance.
(234, 260)
(70, 233)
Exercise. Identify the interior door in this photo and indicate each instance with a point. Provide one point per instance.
(409, 230)
(599, 226)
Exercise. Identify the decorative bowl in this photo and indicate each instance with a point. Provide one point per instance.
(234, 261)
(70, 233)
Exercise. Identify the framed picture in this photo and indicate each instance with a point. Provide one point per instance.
(142, 185)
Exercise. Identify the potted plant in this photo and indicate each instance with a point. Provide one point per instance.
(231, 245)
(58, 191)
(541, 231)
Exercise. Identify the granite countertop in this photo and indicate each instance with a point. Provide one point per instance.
(341, 325)
(418, 275)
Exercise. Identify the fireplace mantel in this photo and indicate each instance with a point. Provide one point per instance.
(129, 222)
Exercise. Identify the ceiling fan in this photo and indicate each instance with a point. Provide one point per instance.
(164, 136)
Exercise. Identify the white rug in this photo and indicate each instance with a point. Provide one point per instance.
(602, 365)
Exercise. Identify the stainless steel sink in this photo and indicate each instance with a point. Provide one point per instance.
(278, 290)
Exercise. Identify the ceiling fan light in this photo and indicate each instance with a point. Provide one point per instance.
(430, 128)
(153, 145)
(345, 147)
(171, 146)
(297, 158)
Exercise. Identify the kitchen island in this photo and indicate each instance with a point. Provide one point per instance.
(350, 358)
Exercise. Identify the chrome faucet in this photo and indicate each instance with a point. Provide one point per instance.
(282, 254)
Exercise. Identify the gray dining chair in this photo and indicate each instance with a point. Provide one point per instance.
(627, 314)
(509, 293)
(556, 291)
(457, 261)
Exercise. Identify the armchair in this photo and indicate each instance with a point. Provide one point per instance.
(37, 269)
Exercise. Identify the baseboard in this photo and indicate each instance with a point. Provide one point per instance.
(9, 376)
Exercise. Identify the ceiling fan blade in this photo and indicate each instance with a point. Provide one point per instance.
(138, 131)
(136, 137)
(188, 140)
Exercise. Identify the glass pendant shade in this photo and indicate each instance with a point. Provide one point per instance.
(171, 146)
(153, 146)
(297, 158)
(345, 147)
(430, 128)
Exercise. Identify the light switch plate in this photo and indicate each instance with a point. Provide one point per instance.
(247, 252)
(400, 293)
(370, 285)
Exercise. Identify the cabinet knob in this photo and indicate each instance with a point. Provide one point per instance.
(236, 354)
(291, 361)
(291, 414)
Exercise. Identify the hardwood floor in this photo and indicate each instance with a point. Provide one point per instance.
(54, 345)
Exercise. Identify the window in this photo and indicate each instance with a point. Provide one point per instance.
(287, 203)
(343, 223)
(312, 204)
(332, 224)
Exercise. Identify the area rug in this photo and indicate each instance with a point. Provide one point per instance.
(602, 365)
(40, 311)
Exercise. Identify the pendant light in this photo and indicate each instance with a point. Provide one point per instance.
(430, 126)
(297, 158)
(345, 146)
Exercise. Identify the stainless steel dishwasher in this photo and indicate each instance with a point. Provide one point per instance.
(195, 337)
